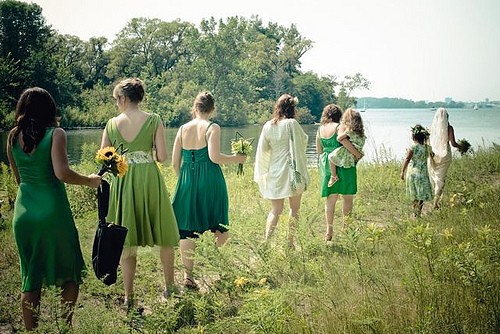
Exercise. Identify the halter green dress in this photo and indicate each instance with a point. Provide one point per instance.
(347, 183)
(44, 229)
(140, 200)
(200, 201)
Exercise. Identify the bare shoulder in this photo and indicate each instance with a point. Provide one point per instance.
(58, 133)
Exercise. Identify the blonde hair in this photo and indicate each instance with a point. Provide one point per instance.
(133, 88)
(352, 120)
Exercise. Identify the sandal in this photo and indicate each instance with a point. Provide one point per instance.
(190, 284)
(332, 180)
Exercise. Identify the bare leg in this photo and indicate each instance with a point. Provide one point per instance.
(187, 247)
(221, 238)
(30, 303)
(294, 217)
(69, 296)
(128, 263)
(273, 216)
(167, 257)
(438, 195)
(330, 202)
(348, 202)
(333, 168)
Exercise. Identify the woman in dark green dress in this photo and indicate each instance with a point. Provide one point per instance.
(200, 201)
(44, 230)
(326, 142)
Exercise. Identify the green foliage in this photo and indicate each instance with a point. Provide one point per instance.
(246, 64)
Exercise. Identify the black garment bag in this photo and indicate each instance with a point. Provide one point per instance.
(108, 240)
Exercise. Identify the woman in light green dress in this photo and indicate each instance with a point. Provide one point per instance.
(140, 200)
(44, 229)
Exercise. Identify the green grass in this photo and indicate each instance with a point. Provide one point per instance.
(384, 273)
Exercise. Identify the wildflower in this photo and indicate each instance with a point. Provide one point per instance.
(240, 282)
(448, 233)
(263, 281)
(243, 146)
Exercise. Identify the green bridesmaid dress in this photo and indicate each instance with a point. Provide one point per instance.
(44, 229)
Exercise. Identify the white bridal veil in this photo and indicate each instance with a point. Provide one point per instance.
(439, 135)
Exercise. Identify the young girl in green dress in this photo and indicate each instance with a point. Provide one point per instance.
(418, 184)
(354, 131)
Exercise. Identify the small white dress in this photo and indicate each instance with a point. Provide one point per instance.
(280, 160)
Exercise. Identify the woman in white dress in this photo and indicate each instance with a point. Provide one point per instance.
(442, 135)
(281, 164)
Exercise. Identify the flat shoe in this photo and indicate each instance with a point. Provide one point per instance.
(190, 284)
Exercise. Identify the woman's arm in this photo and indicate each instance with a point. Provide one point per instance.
(11, 157)
(409, 155)
(61, 166)
(177, 153)
(214, 152)
(160, 143)
(451, 136)
(319, 147)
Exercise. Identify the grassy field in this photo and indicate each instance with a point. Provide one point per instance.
(384, 272)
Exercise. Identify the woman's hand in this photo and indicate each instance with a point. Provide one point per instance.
(94, 180)
(240, 158)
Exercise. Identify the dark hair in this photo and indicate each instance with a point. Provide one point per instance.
(133, 88)
(35, 112)
(204, 103)
(419, 134)
(331, 113)
(284, 108)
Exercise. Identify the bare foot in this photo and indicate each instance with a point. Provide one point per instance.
(332, 180)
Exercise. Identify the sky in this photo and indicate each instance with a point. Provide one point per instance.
(414, 49)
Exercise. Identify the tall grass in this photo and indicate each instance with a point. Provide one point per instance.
(383, 273)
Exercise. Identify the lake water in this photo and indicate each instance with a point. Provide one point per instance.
(387, 131)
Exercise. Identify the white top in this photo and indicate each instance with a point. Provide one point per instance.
(280, 160)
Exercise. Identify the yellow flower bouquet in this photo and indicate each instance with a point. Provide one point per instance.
(243, 146)
(112, 161)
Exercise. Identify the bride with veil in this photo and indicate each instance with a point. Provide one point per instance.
(441, 136)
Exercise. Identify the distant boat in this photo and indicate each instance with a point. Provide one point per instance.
(433, 109)
(476, 107)
(364, 107)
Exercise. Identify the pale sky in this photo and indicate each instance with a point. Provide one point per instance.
(414, 49)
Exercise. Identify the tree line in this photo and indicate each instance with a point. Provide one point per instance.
(245, 63)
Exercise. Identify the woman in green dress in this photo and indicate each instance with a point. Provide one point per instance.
(44, 229)
(200, 201)
(326, 142)
(140, 200)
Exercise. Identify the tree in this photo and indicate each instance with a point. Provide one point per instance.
(314, 92)
(148, 47)
(23, 37)
(347, 86)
